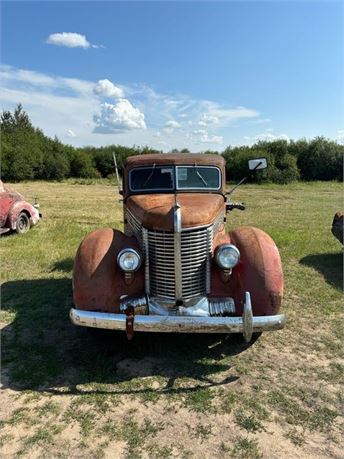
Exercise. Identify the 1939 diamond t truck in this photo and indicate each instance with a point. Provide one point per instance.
(175, 268)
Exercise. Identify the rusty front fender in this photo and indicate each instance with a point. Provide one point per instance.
(98, 282)
(259, 271)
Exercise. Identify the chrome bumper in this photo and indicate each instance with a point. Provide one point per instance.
(180, 324)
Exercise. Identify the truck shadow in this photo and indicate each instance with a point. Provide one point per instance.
(65, 265)
(43, 351)
(330, 265)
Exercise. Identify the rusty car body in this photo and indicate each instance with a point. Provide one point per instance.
(338, 226)
(16, 214)
(175, 268)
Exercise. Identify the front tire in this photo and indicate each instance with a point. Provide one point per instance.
(23, 223)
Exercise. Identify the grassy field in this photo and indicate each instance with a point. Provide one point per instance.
(70, 393)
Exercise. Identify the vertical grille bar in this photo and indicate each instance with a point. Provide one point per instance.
(177, 250)
(146, 251)
(209, 252)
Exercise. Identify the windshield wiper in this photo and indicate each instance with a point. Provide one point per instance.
(200, 176)
(149, 176)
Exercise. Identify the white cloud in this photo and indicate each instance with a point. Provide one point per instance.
(208, 119)
(204, 137)
(31, 78)
(271, 137)
(340, 136)
(199, 132)
(172, 124)
(120, 117)
(226, 116)
(58, 104)
(70, 40)
(108, 89)
(165, 144)
(71, 133)
(262, 120)
(267, 136)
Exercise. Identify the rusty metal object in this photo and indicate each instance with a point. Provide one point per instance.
(156, 211)
(180, 286)
(338, 226)
(98, 282)
(15, 213)
(175, 159)
(259, 271)
(129, 322)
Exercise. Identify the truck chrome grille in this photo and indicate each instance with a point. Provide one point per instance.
(134, 224)
(159, 251)
(196, 248)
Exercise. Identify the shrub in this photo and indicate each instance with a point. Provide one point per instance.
(284, 171)
(322, 160)
(81, 165)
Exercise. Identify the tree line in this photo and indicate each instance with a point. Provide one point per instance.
(29, 154)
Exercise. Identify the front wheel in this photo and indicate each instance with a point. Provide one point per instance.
(23, 223)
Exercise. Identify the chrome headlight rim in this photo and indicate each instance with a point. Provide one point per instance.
(223, 247)
(131, 251)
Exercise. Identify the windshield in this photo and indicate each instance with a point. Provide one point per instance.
(170, 178)
(198, 178)
(152, 178)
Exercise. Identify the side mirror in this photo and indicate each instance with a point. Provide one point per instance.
(260, 163)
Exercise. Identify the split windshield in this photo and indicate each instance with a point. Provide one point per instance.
(169, 178)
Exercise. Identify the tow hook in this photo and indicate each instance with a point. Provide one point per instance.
(129, 323)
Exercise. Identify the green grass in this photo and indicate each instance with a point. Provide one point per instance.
(163, 395)
(199, 400)
(42, 436)
(132, 433)
(244, 448)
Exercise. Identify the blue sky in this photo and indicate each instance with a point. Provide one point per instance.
(201, 75)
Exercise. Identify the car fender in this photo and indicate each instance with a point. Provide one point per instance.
(259, 271)
(98, 282)
(17, 208)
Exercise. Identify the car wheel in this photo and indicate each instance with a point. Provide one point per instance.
(23, 223)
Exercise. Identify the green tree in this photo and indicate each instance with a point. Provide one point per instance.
(322, 160)
(81, 165)
(22, 154)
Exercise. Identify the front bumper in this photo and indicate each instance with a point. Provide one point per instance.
(246, 324)
(175, 324)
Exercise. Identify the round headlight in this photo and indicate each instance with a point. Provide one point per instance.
(227, 256)
(129, 260)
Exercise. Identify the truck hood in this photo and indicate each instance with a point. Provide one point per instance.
(155, 211)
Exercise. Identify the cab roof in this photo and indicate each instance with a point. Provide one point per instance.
(200, 159)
